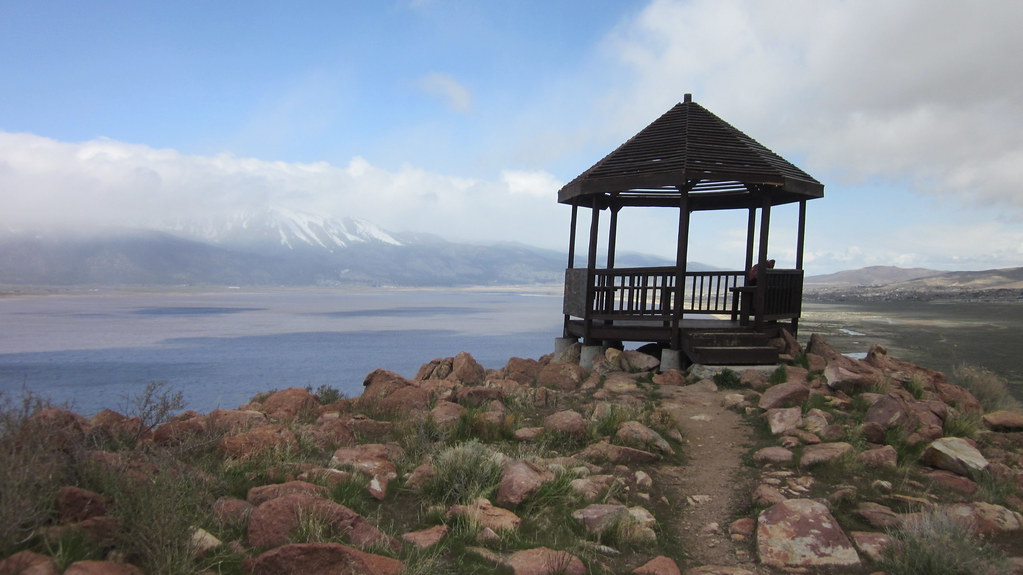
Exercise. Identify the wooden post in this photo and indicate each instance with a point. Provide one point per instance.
(612, 238)
(765, 232)
(801, 235)
(751, 230)
(571, 236)
(681, 262)
(591, 267)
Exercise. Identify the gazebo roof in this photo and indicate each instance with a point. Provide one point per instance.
(689, 148)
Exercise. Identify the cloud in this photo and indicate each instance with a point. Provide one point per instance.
(855, 91)
(447, 89)
(45, 182)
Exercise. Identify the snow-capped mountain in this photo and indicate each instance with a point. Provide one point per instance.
(276, 226)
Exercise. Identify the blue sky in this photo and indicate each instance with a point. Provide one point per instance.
(464, 118)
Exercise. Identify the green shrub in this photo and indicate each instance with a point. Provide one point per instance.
(990, 389)
(934, 543)
(779, 375)
(33, 467)
(327, 394)
(961, 424)
(727, 379)
(463, 473)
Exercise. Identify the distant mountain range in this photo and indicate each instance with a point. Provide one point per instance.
(275, 246)
(894, 283)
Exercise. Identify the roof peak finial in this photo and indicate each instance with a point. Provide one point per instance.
(687, 98)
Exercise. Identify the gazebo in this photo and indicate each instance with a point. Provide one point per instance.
(691, 161)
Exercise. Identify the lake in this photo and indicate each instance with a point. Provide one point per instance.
(220, 347)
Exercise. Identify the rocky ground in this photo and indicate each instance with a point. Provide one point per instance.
(615, 469)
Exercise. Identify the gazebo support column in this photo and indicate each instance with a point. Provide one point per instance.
(761, 292)
(591, 268)
(681, 261)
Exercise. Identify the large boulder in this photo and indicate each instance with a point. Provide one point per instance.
(77, 504)
(788, 394)
(568, 422)
(257, 441)
(487, 515)
(954, 454)
(801, 533)
(561, 375)
(519, 480)
(635, 434)
(373, 459)
(263, 493)
(323, 559)
(273, 522)
(287, 404)
(1004, 420)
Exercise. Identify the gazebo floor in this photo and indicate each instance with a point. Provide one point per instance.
(706, 340)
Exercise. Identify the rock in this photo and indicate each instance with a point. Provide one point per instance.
(372, 459)
(953, 481)
(823, 453)
(954, 454)
(873, 432)
(635, 434)
(323, 559)
(659, 565)
(102, 568)
(787, 394)
(528, 433)
(28, 563)
(231, 510)
(634, 360)
(544, 561)
(257, 441)
(785, 419)
(765, 494)
(871, 543)
(519, 480)
(719, 570)
(273, 522)
(591, 487)
(879, 457)
(179, 431)
(801, 533)
(76, 504)
(477, 396)
(1003, 421)
(561, 375)
(488, 516)
(773, 454)
(263, 493)
(567, 422)
(466, 370)
(288, 404)
(425, 538)
(522, 370)
(958, 397)
(446, 414)
(832, 432)
(815, 420)
(671, 377)
(617, 454)
(743, 527)
(420, 476)
(599, 517)
(235, 420)
(333, 433)
(986, 518)
(888, 411)
(877, 515)
(203, 541)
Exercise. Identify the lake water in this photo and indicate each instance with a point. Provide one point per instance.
(221, 347)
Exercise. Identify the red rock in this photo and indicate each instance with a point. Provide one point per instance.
(62, 429)
(28, 563)
(773, 454)
(231, 510)
(466, 370)
(598, 517)
(488, 516)
(879, 457)
(787, 394)
(102, 568)
(544, 561)
(77, 504)
(671, 377)
(567, 422)
(958, 397)
(179, 431)
(871, 543)
(257, 441)
(425, 538)
(823, 452)
(986, 518)
(323, 559)
(561, 375)
(273, 522)
(877, 515)
(635, 361)
(1003, 421)
(519, 480)
(617, 454)
(802, 533)
(235, 420)
(287, 404)
(784, 419)
(446, 413)
(635, 434)
(954, 454)
(263, 493)
(333, 433)
(953, 481)
(521, 370)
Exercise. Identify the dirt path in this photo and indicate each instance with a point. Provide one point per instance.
(712, 489)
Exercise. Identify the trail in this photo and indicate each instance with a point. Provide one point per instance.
(712, 489)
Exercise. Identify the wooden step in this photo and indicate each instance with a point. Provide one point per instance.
(729, 348)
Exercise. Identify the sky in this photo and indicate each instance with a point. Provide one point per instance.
(463, 119)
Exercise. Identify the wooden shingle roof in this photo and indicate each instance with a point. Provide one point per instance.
(691, 148)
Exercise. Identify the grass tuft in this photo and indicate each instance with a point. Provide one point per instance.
(464, 473)
(934, 543)
(990, 389)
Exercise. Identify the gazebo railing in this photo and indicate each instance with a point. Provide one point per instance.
(650, 294)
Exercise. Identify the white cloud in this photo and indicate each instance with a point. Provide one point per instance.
(917, 91)
(103, 182)
(450, 91)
